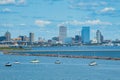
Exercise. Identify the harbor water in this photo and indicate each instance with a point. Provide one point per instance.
(69, 69)
(100, 51)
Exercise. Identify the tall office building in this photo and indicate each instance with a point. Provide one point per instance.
(62, 33)
(85, 34)
(31, 37)
(99, 37)
(8, 36)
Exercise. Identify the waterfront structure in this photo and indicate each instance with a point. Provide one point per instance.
(31, 37)
(85, 34)
(8, 36)
(62, 33)
(99, 36)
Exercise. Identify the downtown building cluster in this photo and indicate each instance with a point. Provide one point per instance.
(84, 38)
(61, 39)
(20, 40)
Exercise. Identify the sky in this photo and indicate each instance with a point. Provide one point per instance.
(43, 17)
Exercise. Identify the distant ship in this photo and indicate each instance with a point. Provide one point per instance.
(35, 61)
(93, 63)
(8, 64)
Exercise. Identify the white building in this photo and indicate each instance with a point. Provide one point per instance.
(62, 33)
(8, 36)
(99, 37)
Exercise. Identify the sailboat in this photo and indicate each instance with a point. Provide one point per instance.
(58, 61)
(8, 64)
(16, 62)
(93, 63)
(35, 61)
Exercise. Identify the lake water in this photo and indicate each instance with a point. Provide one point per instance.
(77, 48)
(70, 69)
(104, 51)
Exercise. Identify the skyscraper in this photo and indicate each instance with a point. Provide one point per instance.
(31, 37)
(62, 33)
(85, 34)
(8, 36)
(99, 37)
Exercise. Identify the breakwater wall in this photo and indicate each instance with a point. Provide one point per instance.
(89, 54)
(38, 51)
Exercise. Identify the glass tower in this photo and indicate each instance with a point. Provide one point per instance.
(31, 37)
(85, 34)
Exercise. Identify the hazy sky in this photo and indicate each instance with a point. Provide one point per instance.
(43, 17)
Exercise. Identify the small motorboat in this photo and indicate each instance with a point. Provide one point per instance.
(8, 64)
(93, 63)
(16, 62)
(35, 61)
(57, 62)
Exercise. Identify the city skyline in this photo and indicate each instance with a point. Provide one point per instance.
(43, 17)
(84, 34)
(62, 37)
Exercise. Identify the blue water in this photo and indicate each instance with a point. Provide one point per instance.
(70, 69)
(102, 51)
(78, 48)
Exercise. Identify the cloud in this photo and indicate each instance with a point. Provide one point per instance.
(107, 9)
(15, 2)
(88, 22)
(7, 2)
(21, 1)
(12, 25)
(7, 25)
(42, 23)
(86, 4)
(22, 24)
(6, 10)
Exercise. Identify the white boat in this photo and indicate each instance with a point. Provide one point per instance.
(93, 63)
(16, 62)
(8, 64)
(35, 61)
(57, 62)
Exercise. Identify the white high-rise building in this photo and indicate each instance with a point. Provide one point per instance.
(8, 36)
(62, 33)
(99, 37)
